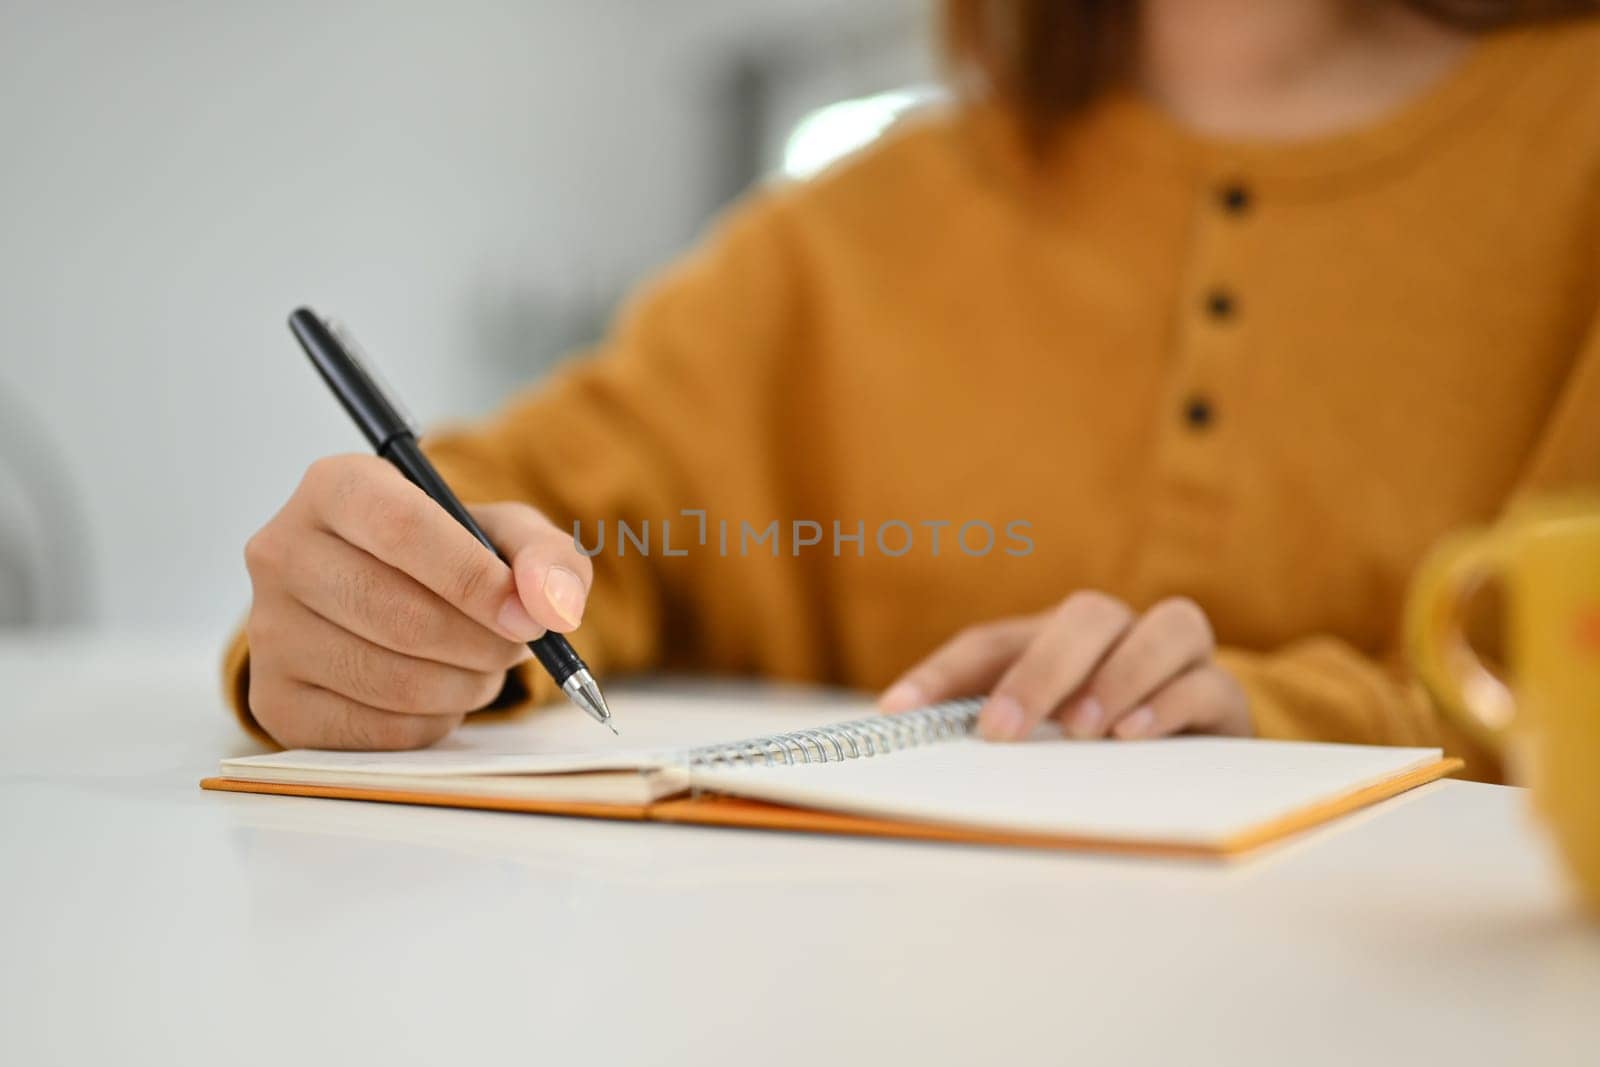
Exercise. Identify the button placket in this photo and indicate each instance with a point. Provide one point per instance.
(1210, 328)
(1216, 341)
(1195, 452)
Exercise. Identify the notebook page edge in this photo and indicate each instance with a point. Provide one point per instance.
(444, 764)
(600, 787)
(793, 792)
(674, 726)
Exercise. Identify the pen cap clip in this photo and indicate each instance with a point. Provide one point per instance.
(335, 357)
(363, 363)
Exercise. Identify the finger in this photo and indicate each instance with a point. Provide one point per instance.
(311, 649)
(1165, 641)
(371, 599)
(966, 665)
(298, 715)
(1074, 640)
(368, 503)
(1204, 699)
(552, 576)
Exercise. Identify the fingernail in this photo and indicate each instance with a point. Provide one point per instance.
(516, 622)
(1137, 723)
(564, 590)
(1086, 718)
(901, 696)
(1001, 719)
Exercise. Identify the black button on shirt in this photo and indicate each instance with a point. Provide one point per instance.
(1197, 412)
(1234, 198)
(1220, 304)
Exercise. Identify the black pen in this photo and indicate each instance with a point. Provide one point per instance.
(394, 439)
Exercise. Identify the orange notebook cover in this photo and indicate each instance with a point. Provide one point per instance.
(917, 776)
(727, 811)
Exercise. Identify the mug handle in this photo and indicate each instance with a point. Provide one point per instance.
(1461, 684)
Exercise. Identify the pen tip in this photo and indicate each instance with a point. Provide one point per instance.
(583, 691)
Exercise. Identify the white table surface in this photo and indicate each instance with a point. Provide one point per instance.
(144, 921)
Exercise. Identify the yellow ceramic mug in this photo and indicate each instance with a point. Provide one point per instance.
(1546, 722)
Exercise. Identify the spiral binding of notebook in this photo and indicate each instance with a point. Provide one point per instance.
(855, 739)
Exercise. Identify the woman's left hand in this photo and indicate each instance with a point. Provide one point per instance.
(1092, 663)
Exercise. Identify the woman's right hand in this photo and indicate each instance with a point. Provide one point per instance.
(378, 622)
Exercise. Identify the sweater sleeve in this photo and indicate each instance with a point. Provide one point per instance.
(673, 413)
(1323, 689)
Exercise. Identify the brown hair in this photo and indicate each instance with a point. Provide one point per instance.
(1048, 58)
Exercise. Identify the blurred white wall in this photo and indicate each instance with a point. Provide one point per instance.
(445, 177)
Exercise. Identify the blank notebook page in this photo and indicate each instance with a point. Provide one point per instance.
(1196, 790)
(654, 729)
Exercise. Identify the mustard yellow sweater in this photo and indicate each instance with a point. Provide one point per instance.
(1263, 376)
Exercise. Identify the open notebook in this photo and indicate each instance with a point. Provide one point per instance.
(800, 765)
